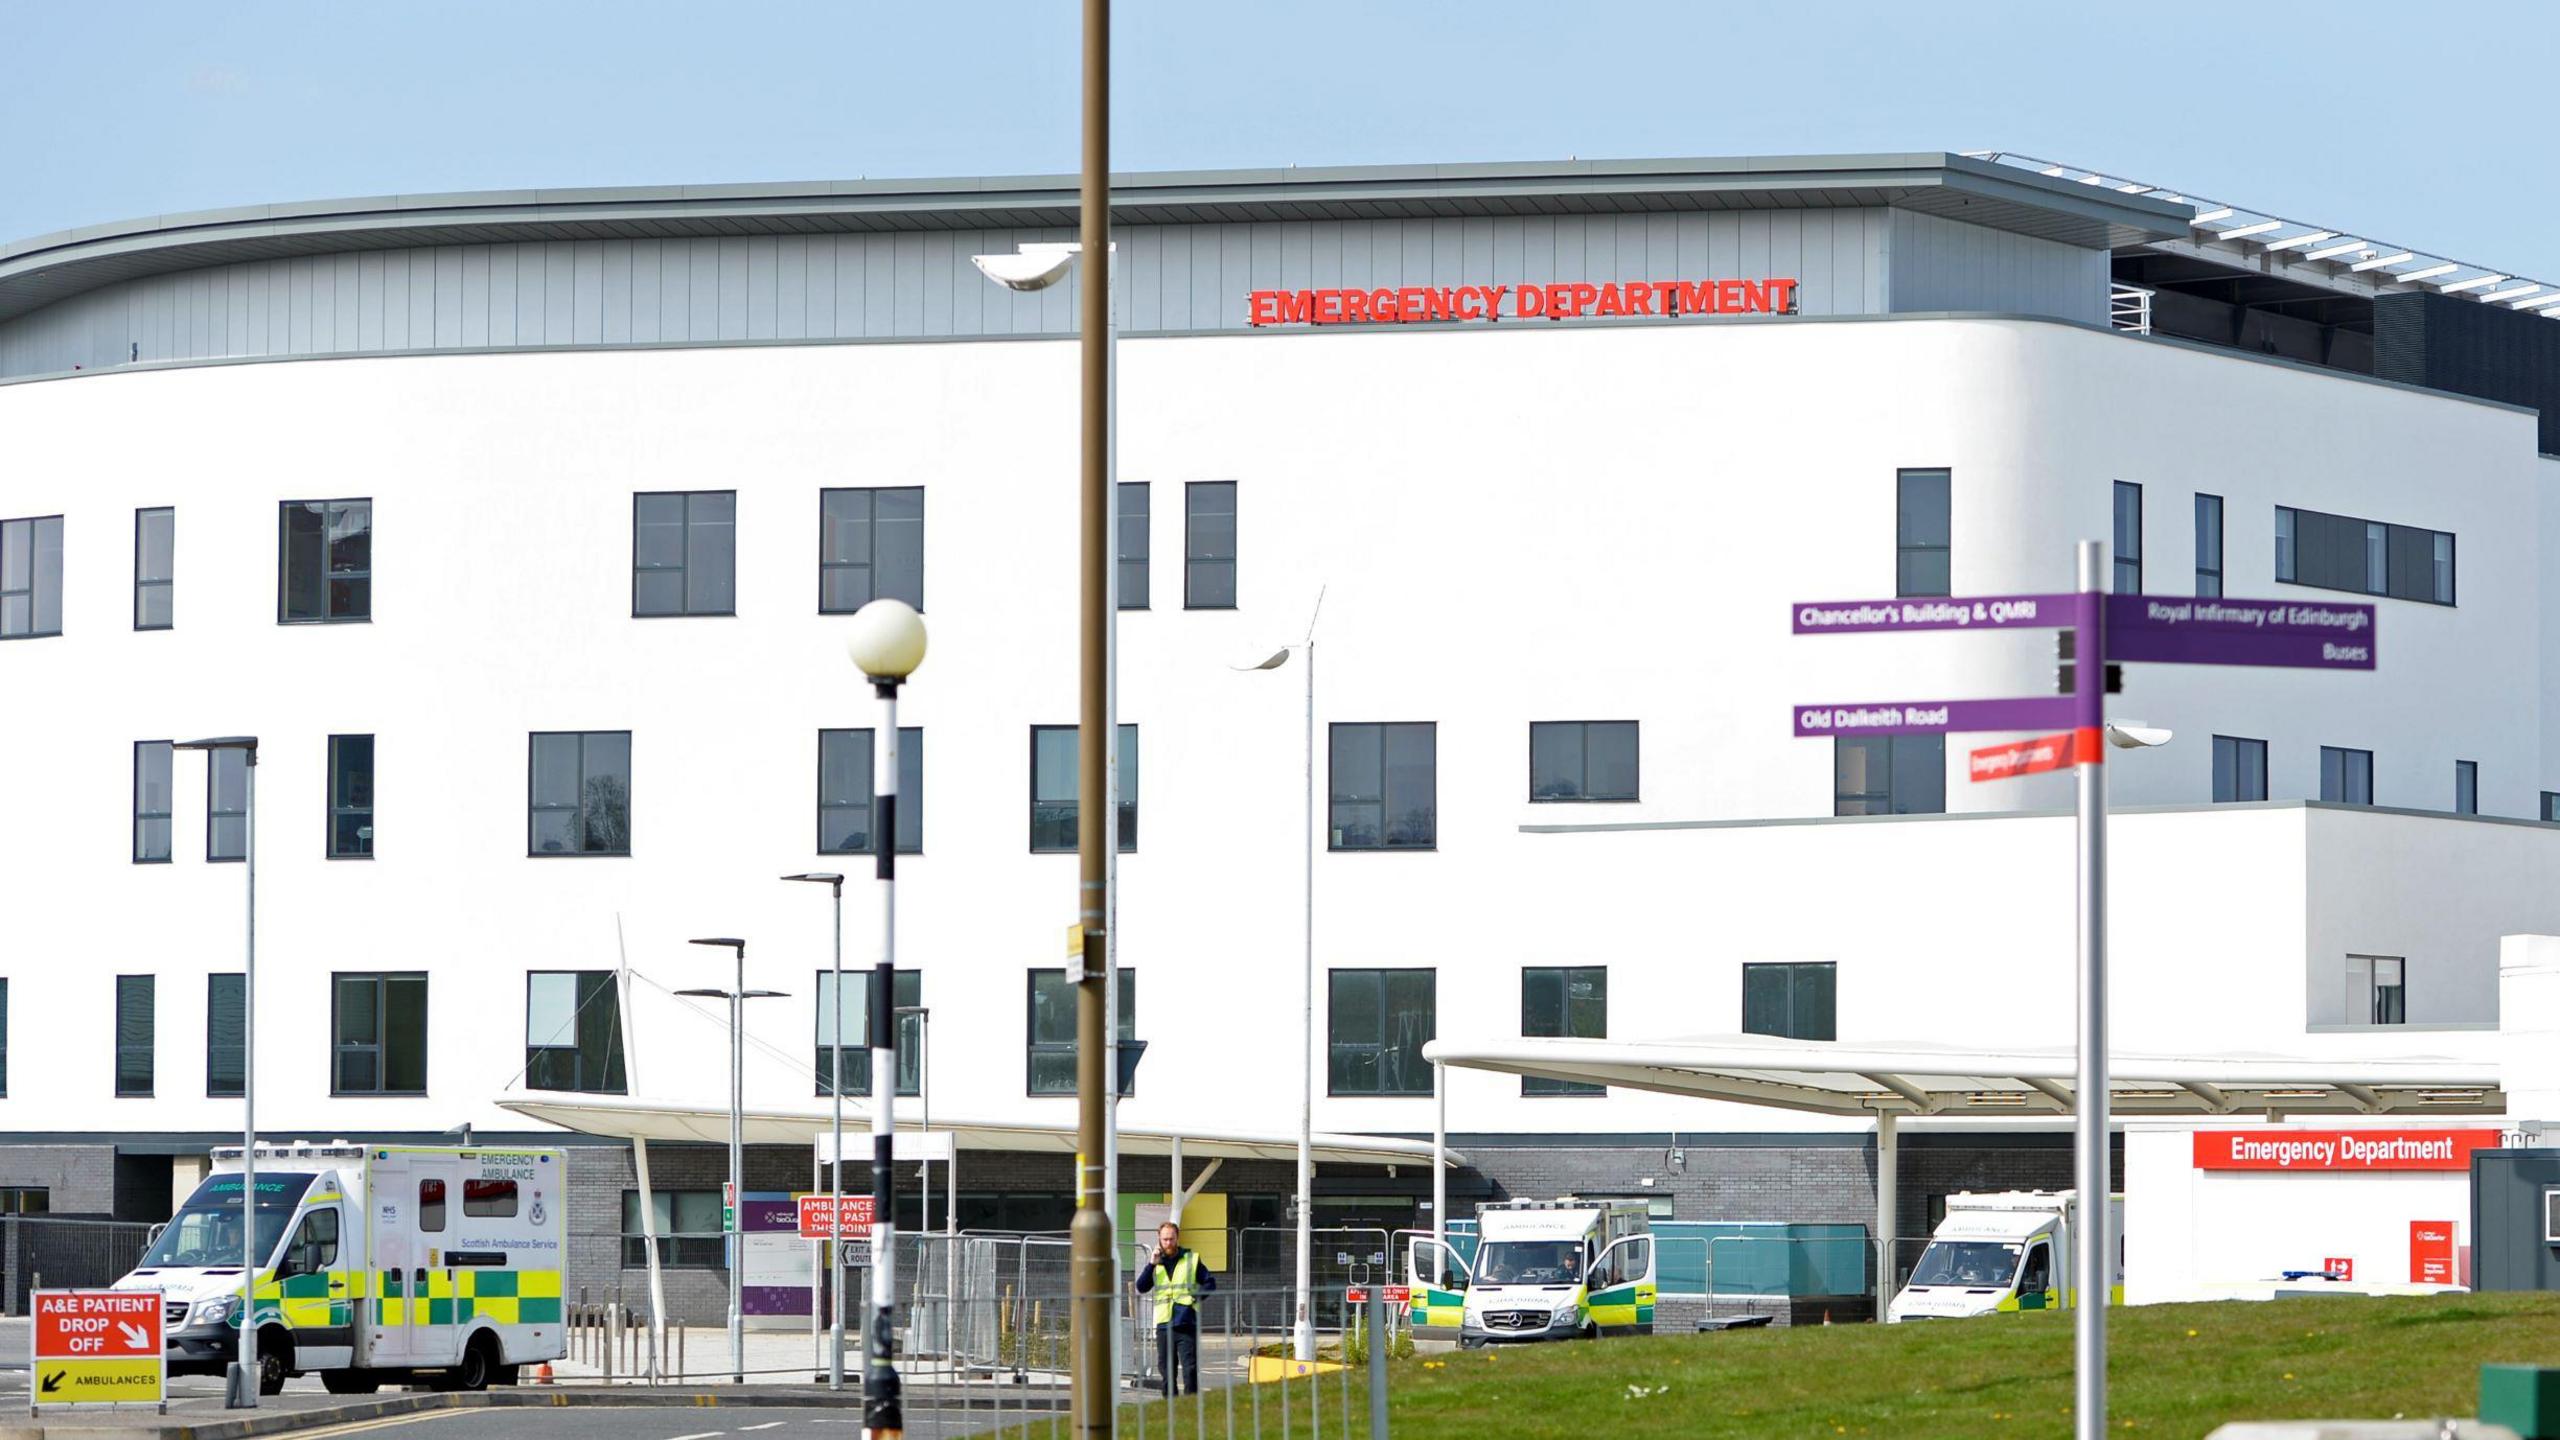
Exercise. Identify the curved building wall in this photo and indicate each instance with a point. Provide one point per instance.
(1509, 524)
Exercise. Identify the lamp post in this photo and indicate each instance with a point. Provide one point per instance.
(1033, 267)
(1094, 1268)
(242, 1380)
(737, 998)
(886, 641)
(835, 1090)
(1302, 1327)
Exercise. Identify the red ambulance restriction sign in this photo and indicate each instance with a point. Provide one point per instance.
(98, 1347)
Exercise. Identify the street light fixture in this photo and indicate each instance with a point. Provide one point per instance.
(1302, 1327)
(737, 998)
(835, 1089)
(886, 642)
(244, 1379)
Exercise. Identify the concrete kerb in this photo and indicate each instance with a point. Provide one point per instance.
(134, 1425)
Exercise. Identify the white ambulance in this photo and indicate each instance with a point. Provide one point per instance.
(378, 1263)
(2005, 1252)
(1562, 1269)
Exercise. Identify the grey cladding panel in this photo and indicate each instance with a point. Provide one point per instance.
(920, 283)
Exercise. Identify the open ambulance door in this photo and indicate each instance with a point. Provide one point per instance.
(1622, 1287)
(1436, 1284)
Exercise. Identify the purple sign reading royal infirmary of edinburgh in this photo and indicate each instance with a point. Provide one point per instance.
(1935, 612)
(1934, 717)
(2189, 630)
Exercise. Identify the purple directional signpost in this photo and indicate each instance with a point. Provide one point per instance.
(2184, 630)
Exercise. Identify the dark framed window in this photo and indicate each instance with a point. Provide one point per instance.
(2239, 769)
(226, 1031)
(1054, 775)
(155, 568)
(1593, 760)
(2364, 557)
(1376, 1024)
(350, 797)
(1889, 775)
(324, 573)
(1050, 1022)
(2551, 806)
(136, 1025)
(845, 791)
(2377, 990)
(153, 762)
(580, 792)
(573, 1032)
(1568, 1002)
(688, 1226)
(2466, 787)
(226, 817)
(25, 1199)
(854, 1015)
(1209, 545)
(378, 1034)
(30, 577)
(1799, 1001)
(1923, 533)
(870, 547)
(1385, 786)
(2128, 538)
(2346, 776)
(1135, 548)
(684, 552)
(2208, 545)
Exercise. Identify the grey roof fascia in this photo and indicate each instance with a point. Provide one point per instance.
(48, 268)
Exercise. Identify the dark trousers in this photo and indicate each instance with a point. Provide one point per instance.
(1178, 1343)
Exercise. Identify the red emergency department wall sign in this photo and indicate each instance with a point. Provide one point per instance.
(1416, 304)
(2340, 1150)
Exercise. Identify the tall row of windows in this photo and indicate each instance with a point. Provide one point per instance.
(226, 826)
(684, 556)
(2346, 776)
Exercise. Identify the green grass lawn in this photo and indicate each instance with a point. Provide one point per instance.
(2178, 1370)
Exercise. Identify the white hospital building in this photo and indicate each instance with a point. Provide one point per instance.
(520, 529)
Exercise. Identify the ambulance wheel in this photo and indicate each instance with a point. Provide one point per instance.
(479, 1363)
(275, 1361)
(350, 1382)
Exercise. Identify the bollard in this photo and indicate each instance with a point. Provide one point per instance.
(603, 1334)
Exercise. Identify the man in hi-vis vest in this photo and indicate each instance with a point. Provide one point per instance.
(1177, 1279)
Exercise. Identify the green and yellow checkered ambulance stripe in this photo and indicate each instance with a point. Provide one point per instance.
(502, 1297)
(1621, 1306)
(1435, 1308)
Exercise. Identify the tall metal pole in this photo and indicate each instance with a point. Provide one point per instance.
(1092, 1232)
(2094, 1277)
(242, 1385)
(883, 1414)
(1111, 854)
(1303, 1331)
(835, 1156)
(738, 1175)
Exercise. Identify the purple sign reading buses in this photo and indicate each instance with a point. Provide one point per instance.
(2192, 630)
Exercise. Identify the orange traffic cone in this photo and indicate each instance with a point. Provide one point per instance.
(1826, 1314)
(542, 1373)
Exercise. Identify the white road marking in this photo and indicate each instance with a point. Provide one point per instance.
(769, 1424)
(700, 1435)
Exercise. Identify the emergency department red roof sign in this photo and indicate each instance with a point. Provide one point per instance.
(1415, 304)
(2336, 1150)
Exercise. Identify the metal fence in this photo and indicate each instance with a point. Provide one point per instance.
(56, 1252)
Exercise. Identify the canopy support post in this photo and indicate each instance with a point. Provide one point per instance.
(1888, 1204)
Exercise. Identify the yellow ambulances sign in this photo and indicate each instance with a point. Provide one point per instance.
(97, 1347)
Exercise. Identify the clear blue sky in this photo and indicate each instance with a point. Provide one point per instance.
(2405, 123)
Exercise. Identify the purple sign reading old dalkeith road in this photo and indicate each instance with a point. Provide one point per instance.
(1935, 717)
(1942, 612)
(2186, 630)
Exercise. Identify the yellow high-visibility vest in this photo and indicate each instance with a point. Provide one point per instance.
(1178, 1288)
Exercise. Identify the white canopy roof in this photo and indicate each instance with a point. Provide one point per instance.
(1922, 1078)
(624, 1118)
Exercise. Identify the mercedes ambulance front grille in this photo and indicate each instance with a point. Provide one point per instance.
(173, 1314)
(1516, 1319)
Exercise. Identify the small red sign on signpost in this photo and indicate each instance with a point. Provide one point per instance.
(854, 1223)
(2340, 1267)
(1391, 1294)
(2025, 757)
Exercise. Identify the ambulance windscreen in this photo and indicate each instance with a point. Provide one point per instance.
(1975, 1264)
(206, 1230)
